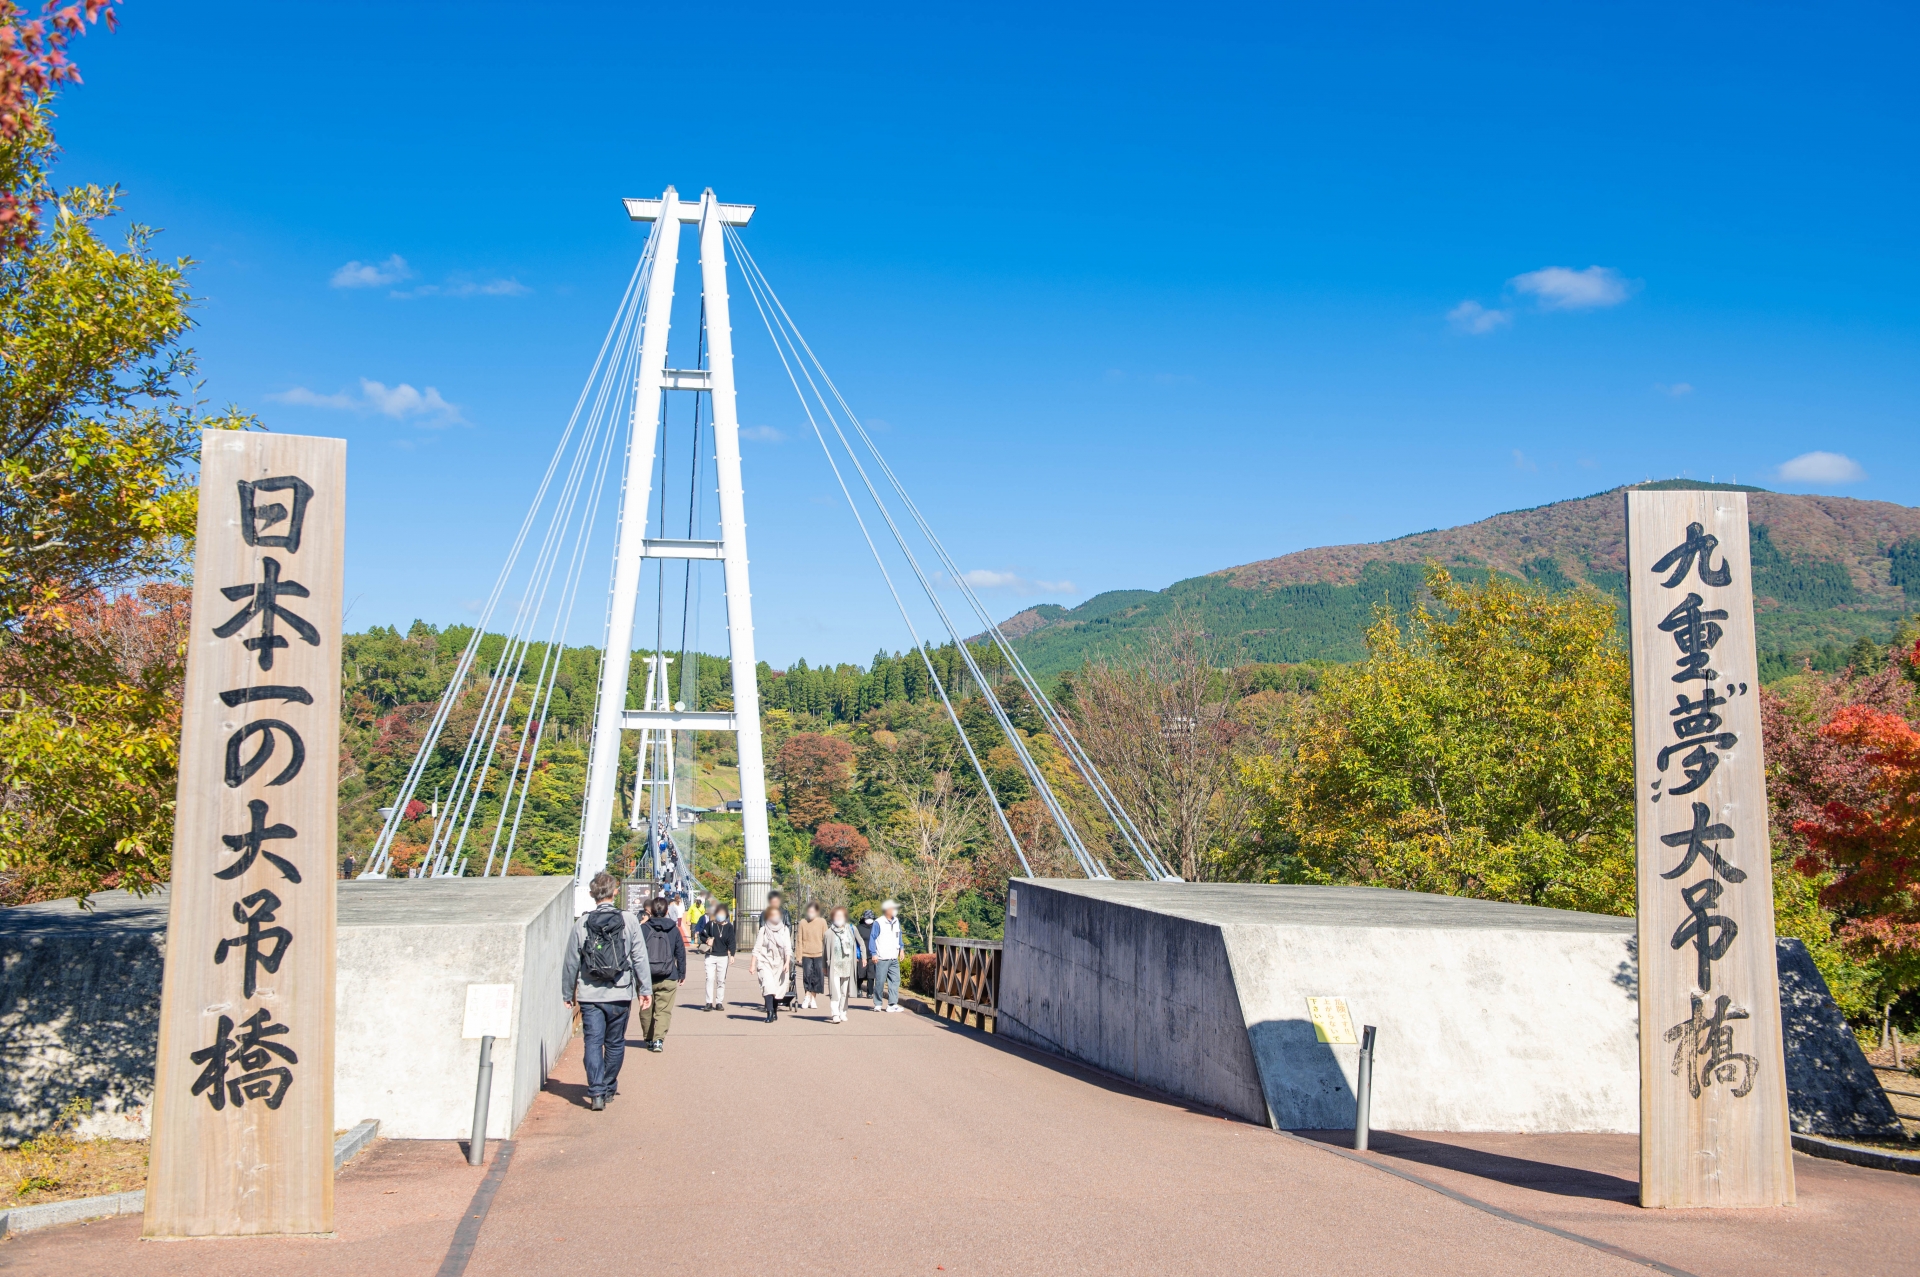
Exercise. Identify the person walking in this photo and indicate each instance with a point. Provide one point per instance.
(866, 952)
(843, 954)
(810, 947)
(778, 903)
(666, 966)
(719, 929)
(602, 977)
(888, 944)
(772, 959)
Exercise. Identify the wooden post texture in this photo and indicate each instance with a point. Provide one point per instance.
(1713, 1087)
(243, 1091)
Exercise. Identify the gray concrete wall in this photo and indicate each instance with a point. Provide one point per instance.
(1479, 1030)
(408, 951)
(543, 1021)
(80, 996)
(1141, 994)
(80, 1013)
(1492, 1017)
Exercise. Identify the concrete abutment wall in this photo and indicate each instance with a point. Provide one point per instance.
(80, 1000)
(1492, 1017)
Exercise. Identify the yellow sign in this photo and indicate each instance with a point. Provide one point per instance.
(1331, 1022)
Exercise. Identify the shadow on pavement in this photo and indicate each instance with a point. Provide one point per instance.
(574, 1093)
(1541, 1177)
(1544, 1177)
(1073, 1068)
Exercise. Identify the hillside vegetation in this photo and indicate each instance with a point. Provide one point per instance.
(1828, 571)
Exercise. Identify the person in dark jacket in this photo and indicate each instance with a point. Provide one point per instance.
(604, 1001)
(667, 962)
(866, 951)
(718, 927)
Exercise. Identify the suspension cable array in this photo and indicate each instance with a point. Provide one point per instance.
(802, 365)
(553, 576)
(570, 494)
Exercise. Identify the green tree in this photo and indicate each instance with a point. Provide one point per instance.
(1485, 749)
(99, 430)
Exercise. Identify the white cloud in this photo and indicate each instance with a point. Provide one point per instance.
(1822, 467)
(305, 398)
(401, 402)
(1679, 389)
(469, 288)
(394, 270)
(1561, 288)
(373, 275)
(987, 579)
(764, 434)
(1520, 461)
(1472, 317)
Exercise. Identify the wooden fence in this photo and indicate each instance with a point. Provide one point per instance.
(966, 978)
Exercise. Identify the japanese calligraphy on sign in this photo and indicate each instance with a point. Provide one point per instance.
(1713, 1108)
(243, 1090)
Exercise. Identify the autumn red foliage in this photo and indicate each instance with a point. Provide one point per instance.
(813, 770)
(843, 845)
(1873, 846)
(1809, 768)
(34, 62)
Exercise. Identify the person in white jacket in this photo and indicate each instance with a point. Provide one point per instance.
(772, 959)
(887, 947)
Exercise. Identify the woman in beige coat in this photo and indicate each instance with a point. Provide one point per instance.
(772, 958)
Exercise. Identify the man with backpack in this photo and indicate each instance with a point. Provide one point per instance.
(666, 951)
(602, 977)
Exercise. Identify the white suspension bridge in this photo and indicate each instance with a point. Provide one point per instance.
(625, 407)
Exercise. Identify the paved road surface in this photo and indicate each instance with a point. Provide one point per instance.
(899, 1144)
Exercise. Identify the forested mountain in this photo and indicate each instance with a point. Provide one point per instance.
(391, 683)
(1827, 570)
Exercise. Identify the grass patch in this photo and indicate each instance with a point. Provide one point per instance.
(56, 1166)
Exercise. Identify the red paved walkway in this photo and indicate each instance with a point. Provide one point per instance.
(898, 1144)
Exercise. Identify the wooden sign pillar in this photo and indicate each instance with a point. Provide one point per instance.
(1713, 1086)
(243, 1090)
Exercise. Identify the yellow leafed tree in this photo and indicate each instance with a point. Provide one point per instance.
(1483, 748)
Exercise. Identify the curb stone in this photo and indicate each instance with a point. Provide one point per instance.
(354, 1142)
(1873, 1158)
(31, 1219)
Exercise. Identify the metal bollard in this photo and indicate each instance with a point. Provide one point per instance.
(477, 1146)
(1363, 1091)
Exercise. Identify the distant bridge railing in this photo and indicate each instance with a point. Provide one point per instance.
(966, 978)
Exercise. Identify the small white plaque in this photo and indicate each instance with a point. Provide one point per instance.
(1013, 904)
(489, 1011)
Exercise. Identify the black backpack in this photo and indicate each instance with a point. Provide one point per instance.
(604, 957)
(660, 935)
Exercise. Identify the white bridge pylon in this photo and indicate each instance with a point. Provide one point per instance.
(653, 382)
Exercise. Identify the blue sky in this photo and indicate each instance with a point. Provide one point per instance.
(1137, 292)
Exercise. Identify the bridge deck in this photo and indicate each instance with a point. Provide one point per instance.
(900, 1144)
